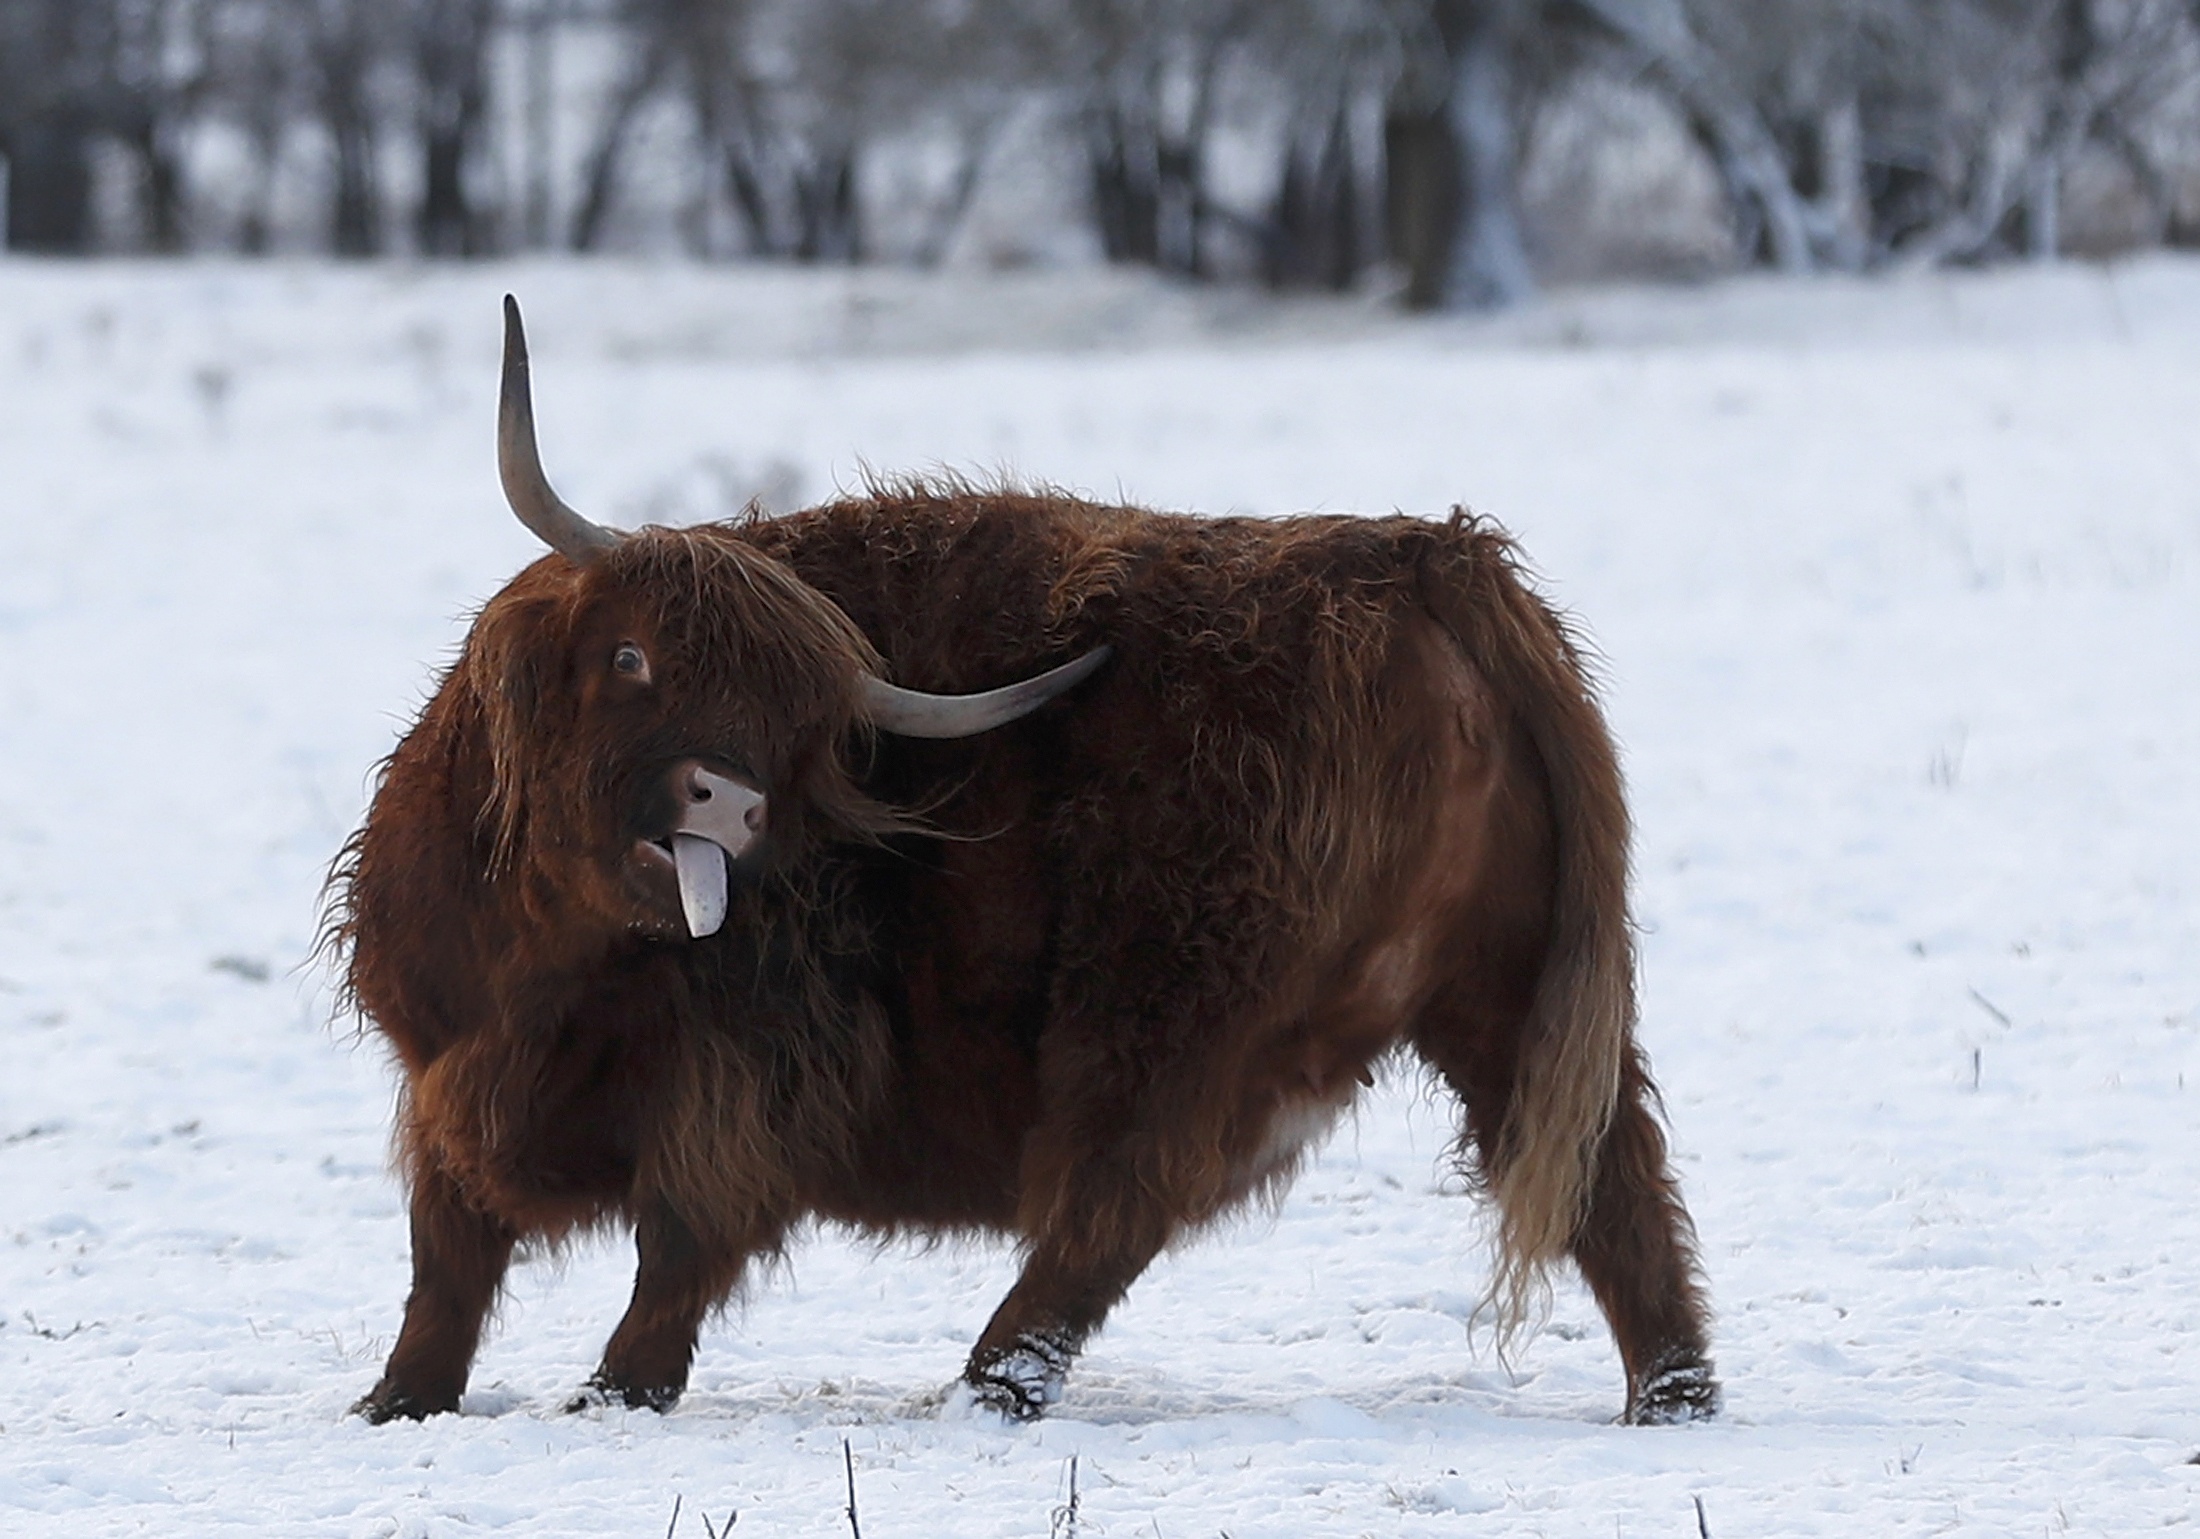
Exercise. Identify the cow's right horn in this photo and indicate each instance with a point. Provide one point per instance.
(913, 713)
(519, 463)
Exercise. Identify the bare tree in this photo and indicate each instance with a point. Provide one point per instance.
(1315, 222)
(969, 68)
(785, 169)
(1143, 82)
(345, 43)
(48, 72)
(654, 38)
(1489, 256)
(1214, 138)
(786, 97)
(449, 43)
(252, 74)
(1466, 78)
(1329, 63)
(2106, 67)
(1703, 79)
(1853, 132)
(151, 75)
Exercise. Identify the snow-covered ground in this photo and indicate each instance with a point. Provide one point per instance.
(1899, 589)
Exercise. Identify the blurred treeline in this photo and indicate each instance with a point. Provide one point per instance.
(1463, 150)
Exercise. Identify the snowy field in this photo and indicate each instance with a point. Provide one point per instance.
(1899, 592)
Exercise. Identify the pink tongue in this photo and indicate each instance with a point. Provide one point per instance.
(702, 868)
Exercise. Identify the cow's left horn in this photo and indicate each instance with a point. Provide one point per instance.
(519, 463)
(912, 713)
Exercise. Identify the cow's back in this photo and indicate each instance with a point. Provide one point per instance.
(1226, 809)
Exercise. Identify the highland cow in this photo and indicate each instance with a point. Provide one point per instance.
(679, 916)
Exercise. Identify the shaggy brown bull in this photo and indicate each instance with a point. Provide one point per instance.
(678, 916)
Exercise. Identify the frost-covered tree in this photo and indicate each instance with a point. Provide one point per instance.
(785, 98)
(1299, 142)
(1854, 132)
(1464, 78)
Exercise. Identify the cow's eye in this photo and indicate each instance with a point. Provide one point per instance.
(630, 662)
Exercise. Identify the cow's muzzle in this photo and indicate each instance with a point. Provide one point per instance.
(717, 821)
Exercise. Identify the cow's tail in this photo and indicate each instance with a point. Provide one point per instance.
(1540, 1165)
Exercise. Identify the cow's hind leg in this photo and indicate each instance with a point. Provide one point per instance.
(1637, 1250)
(678, 1280)
(459, 1257)
(1635, 1246)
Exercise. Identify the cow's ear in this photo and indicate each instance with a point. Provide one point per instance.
(512, 664)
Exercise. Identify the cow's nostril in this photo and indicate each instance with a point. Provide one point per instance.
(701, 793)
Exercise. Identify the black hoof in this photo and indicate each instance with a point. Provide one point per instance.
(603, 1390)
(390, 1402)
(1683, 1392)
(1021, 1383)
(1006, 1399)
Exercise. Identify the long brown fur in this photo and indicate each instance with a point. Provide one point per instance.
(1090, 980)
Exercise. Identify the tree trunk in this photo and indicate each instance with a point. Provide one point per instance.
(1312, 237)
(1757, 176)
(1337, 176)
(343, 51)
(538, 124)
(1180, 209)
(446, 217)
(976, 141)
(2154, 186)
(1421, 198)
(600, 183)
(450, 53)
(1489, 257)
(50, 186)
(1996, 186)
(2070, 112)
(1451, 163)
(751, 201)
(160, 188)
(256, 232)
(1149, 184)
(1843, 211)
(1759, 182)
(1125, 188)
(826, 207)
(2043, 205)
(355, 222)
(1183, 164)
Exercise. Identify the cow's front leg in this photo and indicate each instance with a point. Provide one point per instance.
(459, 1257)
(1102, 1227)
(678, 1280)
(1020, 1362)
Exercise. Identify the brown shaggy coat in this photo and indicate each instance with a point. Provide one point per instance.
(1089, 980)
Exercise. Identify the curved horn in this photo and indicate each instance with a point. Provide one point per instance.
(519, 463)
(912, 713)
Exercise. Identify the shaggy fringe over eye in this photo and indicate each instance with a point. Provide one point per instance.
(741, 627)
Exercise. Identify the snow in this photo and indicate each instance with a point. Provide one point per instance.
(1898, 587)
